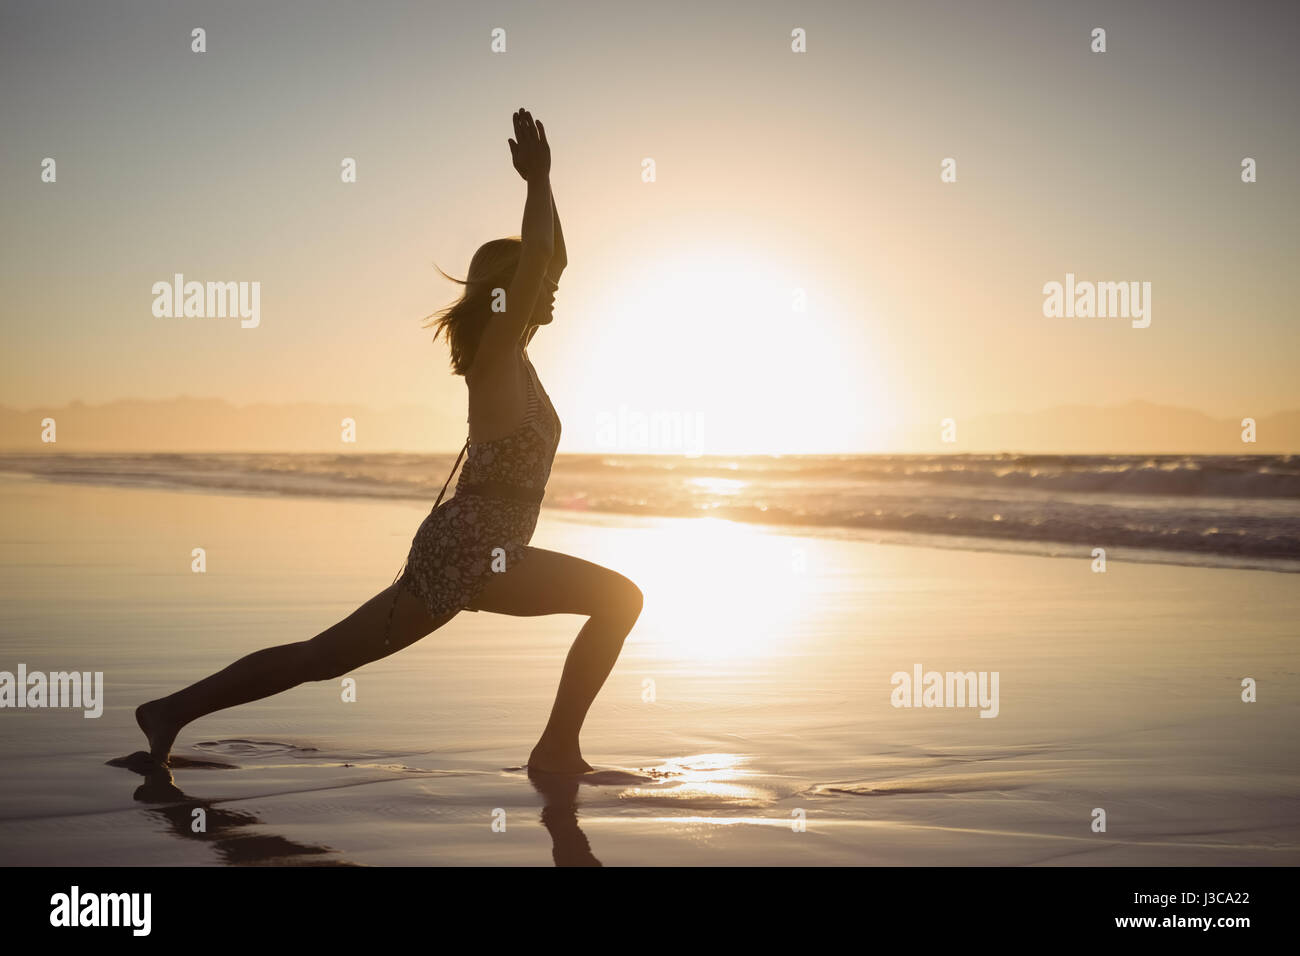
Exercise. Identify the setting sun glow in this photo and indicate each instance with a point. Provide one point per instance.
(746, 345)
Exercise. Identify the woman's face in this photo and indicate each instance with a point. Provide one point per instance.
(544, 310)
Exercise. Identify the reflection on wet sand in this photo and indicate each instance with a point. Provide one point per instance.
(569, 846)
(225, 830)
(712, 785)
(715, 781)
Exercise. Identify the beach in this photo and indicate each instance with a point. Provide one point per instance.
(749, 720)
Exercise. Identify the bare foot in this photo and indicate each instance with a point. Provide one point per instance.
(158, 730)
(545, 759)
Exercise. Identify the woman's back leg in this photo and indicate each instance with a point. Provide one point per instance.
(356, 640)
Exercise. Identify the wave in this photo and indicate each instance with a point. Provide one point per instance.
(1242, 507)
(1252, 476)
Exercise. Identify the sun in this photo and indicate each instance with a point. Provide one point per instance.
(744, 346)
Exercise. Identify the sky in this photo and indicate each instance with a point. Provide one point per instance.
(780, 178)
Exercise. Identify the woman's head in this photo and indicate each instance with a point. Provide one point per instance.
(462, 322)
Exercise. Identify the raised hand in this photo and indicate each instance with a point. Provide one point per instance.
(529, 150)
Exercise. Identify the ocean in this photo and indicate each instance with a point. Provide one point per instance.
(1217, 511)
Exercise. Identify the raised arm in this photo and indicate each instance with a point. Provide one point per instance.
(532, 157)
(560, 257)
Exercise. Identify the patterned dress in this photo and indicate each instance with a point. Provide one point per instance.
(491, 517)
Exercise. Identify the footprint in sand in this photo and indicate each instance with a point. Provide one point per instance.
(252, 749)
(142, 762)
(608, 777)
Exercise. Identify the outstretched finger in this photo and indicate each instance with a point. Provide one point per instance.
(541, 133)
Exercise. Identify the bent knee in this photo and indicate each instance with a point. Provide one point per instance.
(635, 600)
(623, 600)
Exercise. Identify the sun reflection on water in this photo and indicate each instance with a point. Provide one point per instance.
(701, 779)
(717, 486)
(720, 589)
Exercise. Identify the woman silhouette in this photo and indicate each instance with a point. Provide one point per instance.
(471, 552)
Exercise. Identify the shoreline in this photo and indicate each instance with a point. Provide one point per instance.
(986, 545)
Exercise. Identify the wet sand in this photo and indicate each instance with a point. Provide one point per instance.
(755, 692)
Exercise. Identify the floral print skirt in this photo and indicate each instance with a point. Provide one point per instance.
(460, 545)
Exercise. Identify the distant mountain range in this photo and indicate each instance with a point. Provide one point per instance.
(211, 424)
(206, 424)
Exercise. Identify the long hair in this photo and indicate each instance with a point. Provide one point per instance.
(461, 324)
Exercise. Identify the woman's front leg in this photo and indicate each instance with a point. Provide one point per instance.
(548, 582)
